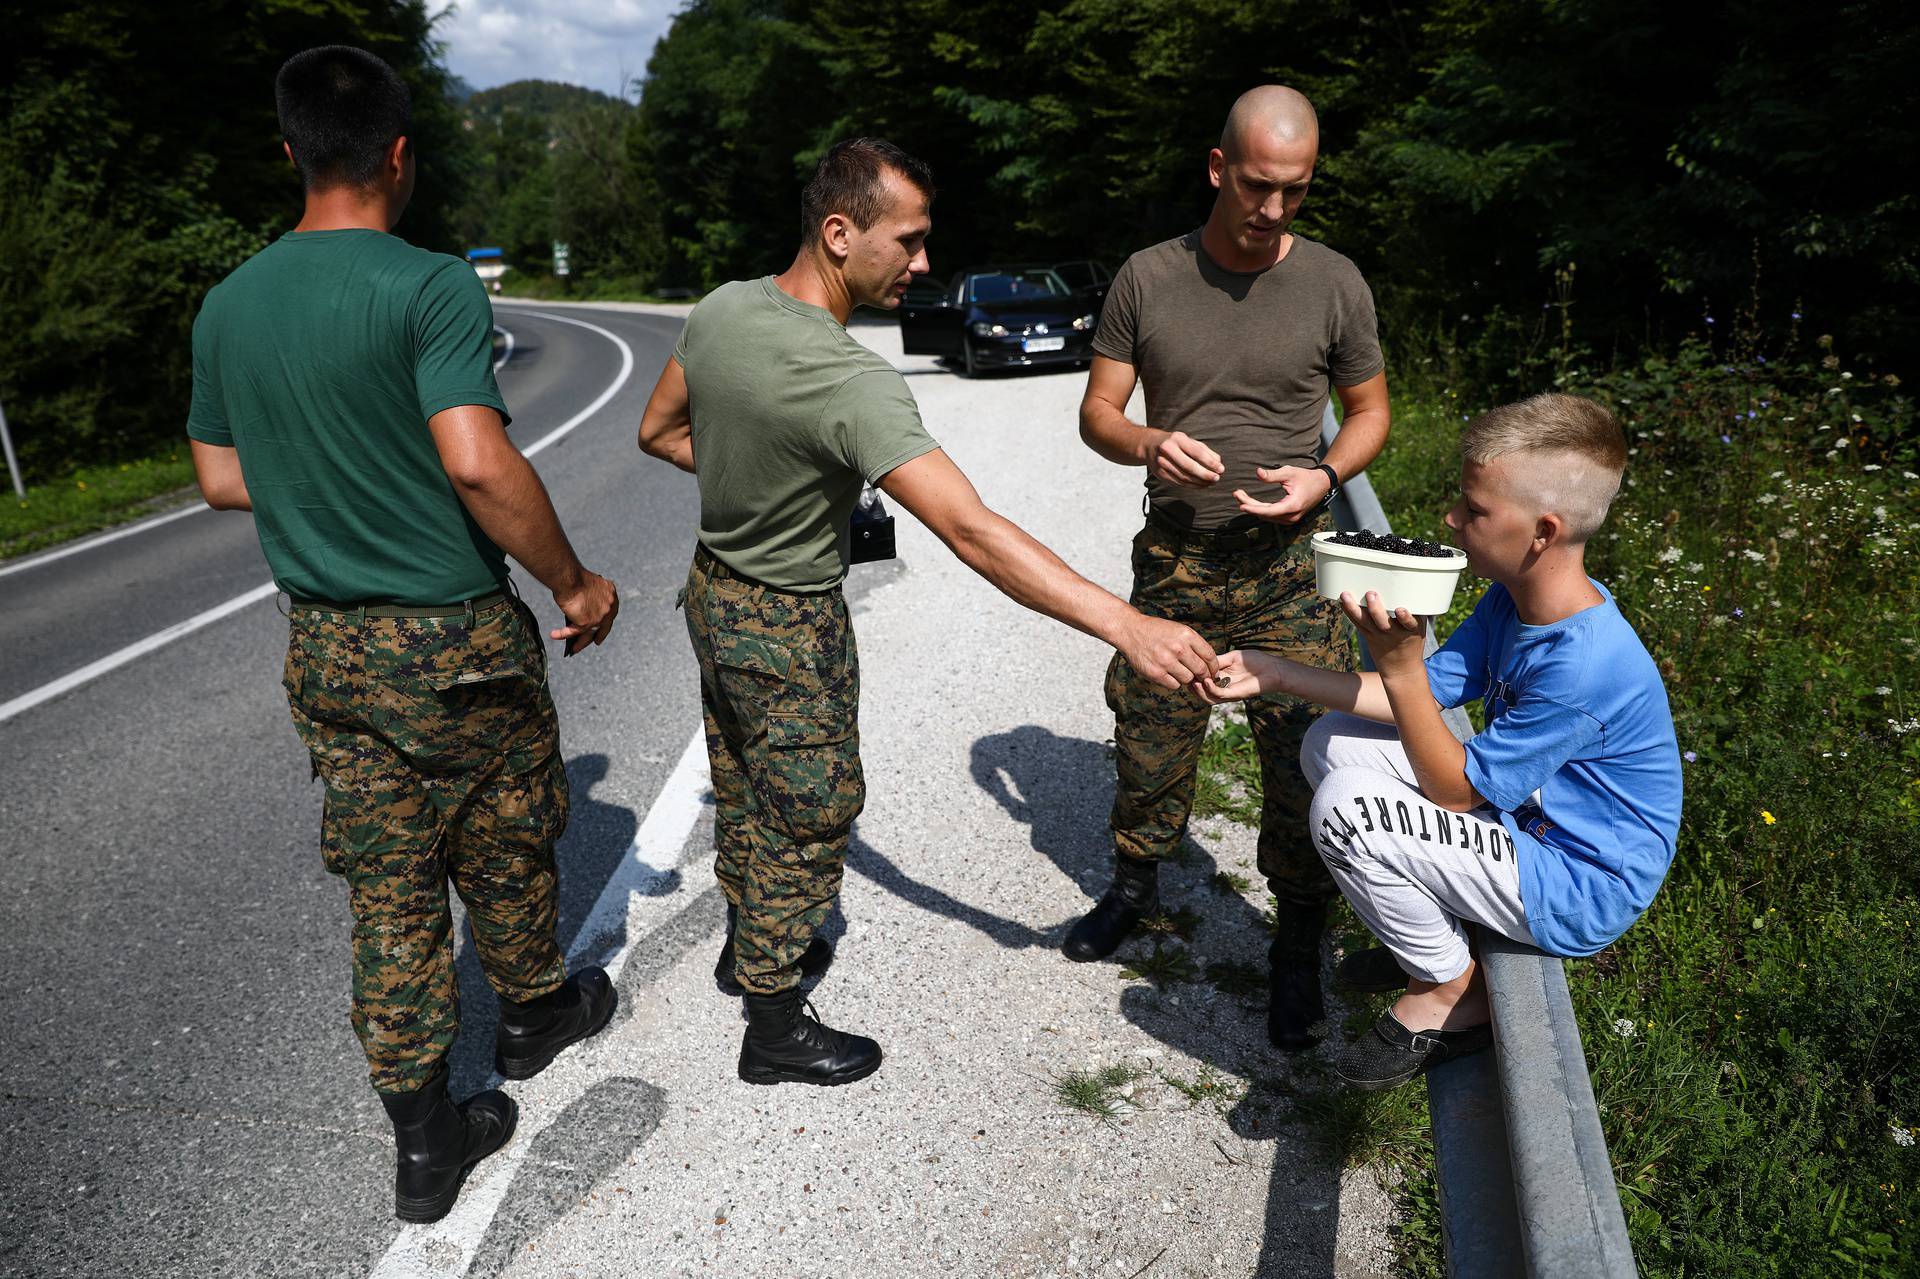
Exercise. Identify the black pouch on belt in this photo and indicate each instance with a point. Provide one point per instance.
(872, 528)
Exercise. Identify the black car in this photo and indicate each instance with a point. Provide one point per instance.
(997, 317)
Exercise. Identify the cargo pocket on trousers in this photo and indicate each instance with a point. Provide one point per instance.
(813, 772)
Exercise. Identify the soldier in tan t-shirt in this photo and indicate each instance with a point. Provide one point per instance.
(1239, 332)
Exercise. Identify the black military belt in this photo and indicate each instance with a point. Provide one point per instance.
(478, 604)
(1251, 537)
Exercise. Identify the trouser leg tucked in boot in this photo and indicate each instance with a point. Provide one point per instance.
(437, 1143)
(786, 1044)
(1134, 894)
(1295, 1008)
(813, 961)
(533, 1033)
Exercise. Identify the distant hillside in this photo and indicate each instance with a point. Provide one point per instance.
(541, 99)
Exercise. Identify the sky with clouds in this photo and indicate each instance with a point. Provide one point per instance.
(595, 43)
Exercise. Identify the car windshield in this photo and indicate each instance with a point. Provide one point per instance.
(1011, 286)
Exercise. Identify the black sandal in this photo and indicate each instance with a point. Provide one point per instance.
(1373, 972)
(1390, 1054)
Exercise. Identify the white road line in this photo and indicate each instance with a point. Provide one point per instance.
(632, 896)
(140, 648)
(88, 543)
(506, 354)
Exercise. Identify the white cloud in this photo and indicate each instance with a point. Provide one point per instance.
(601, 44)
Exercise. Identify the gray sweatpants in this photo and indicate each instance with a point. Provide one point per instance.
(1411, 870)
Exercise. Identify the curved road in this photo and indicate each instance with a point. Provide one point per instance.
(183, 1094)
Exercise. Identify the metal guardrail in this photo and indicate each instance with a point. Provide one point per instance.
(1526, 1187)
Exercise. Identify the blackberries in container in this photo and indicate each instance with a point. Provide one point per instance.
(1394, 543)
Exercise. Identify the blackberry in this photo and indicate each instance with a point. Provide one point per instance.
(1366, 540)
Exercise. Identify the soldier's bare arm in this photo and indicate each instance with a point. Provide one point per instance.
(943, 499)
(217, 468)
(503, 493)
(1364, 421)
(1174, 456)
(666, 427)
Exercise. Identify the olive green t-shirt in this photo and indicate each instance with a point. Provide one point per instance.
(1242, 362)
(790, 417)
(320, 360)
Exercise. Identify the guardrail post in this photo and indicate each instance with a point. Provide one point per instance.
(13, 465)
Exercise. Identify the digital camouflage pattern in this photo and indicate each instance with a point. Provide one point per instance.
(1259, 595)
(780, 693)
(438, 744)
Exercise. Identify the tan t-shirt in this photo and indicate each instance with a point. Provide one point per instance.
(790, 417)
(1241, 362)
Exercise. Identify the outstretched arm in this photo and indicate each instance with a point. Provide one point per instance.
(943, 499)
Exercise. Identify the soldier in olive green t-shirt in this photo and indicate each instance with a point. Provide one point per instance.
(782, 416)
(343, 392)
(1240, 331)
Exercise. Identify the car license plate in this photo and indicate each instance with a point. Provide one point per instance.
(1030, 345)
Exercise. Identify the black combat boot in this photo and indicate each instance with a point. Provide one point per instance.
(814, 962)
(1294, 1005)
(532, 1034)
(1135, 893)
(785, 1044)
(438, 1143)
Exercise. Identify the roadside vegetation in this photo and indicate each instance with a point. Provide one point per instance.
(1752, 1039)
(90, 498)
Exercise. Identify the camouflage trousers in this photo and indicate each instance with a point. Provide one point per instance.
(780, 693)
(1256, 594)
(438, 745)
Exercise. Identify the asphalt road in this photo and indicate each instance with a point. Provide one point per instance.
(183, 1094)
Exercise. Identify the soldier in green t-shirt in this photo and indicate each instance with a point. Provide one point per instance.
(343, 392)
(787, 417)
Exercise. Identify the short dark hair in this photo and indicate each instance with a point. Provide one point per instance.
(340, 109)
(848, 180)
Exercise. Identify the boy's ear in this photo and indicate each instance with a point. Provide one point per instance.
(1549, 530)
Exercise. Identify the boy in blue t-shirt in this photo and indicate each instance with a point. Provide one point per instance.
(1556, 825)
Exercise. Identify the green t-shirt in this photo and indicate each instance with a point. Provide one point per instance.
(320, 360)
(790, 417)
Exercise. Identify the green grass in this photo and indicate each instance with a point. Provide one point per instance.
(92, 498)
(1230, 884)
(1752, 1039)
(1164, 966)
(1096, 1092)
(1207, 1086)
(1171, 923)
(1238, 980)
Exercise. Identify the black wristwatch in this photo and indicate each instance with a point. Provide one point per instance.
(1333, 482)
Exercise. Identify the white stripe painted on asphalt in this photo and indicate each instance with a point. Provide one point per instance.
(88, 543)
(140, 648)
(447, 1248)
(506, 354)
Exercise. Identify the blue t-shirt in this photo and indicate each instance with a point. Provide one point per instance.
(1576, 712)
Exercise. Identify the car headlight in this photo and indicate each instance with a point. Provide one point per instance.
(1084, 322)
(981, 329)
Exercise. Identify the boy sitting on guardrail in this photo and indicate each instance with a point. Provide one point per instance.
(1556, 825)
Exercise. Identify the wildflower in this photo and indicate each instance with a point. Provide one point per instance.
(1902, 1136)
(1739, 613)
(1883, 690)
(1670, 555)
(1871, 466)
(1694, 566)
(1726, 439)
(1689, 756)
(1796, 315)
(1623, 1026)
(1767, 817)
(1753, 555)
(1909, 475)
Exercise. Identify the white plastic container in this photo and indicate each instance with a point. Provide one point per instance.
(1423, 585)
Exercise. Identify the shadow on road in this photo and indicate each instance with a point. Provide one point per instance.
(1061, 787)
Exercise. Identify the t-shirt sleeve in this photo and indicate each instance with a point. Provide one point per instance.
(207, 418)
(680, 343)
(1120, 317)
(1354, 353)
(873, 424)
(1457, 671)
(453, 343)
(1531, 742)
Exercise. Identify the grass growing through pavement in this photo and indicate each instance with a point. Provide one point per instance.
(1164, 966)
(1171, 923)
(89, 499)
(1752, 1039)
(1095, 1092)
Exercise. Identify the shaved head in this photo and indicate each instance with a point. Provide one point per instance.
(1272, 112)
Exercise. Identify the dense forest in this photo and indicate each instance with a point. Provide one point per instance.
(1516, 177)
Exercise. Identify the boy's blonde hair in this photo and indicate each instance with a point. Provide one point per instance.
(1565, 455)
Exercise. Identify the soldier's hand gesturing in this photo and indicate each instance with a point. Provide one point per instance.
(1169, 654)
(1178, 458)
(589, 610)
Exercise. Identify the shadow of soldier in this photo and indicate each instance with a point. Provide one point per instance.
(1061, 788)
(598, 836)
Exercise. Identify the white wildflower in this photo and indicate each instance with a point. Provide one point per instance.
(1774, 475)
(1695, 566)
(1902, 1136)
(1755, 556)
(1883, 690)
(1871, 466)
(1671, 555)
(1767, 499)
(1623, 1026)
